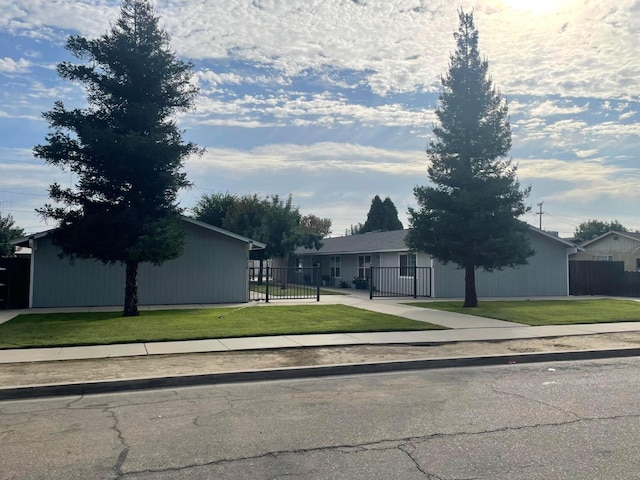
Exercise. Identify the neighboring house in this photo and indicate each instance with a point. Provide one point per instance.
(613, 246)
(344, 258)
(212, 269)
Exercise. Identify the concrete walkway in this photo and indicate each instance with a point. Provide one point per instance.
(461, 328)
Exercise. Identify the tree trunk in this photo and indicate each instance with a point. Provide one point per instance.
(470, 296)
(131, 290)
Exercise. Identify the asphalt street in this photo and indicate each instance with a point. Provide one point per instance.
(565, 420)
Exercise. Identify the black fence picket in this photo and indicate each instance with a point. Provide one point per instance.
(400, 282)
(284, 283)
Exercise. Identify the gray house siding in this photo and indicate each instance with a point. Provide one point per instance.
(545, 275)
(212, 269)
(394, 283)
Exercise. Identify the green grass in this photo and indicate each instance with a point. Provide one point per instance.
(100, 328)
(547, 312)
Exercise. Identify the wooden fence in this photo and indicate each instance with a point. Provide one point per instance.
(591, 277)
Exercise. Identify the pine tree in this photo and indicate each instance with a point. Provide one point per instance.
(470, 215)
(391, 221)
(124, 148)
(382, 216)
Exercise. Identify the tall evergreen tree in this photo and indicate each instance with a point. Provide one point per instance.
(470, 215)
(125, 147)
(391, 221)
(382, 216)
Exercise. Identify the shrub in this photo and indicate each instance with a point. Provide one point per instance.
(360, 283)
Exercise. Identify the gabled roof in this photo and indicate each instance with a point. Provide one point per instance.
(255, 245)
(376, 242)
(371, 242)
(631, 235)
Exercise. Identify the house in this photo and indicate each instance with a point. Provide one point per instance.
(212, 269)
(344, 258)
(613, 246)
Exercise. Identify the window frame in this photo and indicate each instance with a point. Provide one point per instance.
(404, 269)
(334, 266)
(364, 266)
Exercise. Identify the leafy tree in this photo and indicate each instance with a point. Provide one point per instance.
(283, 231)
(213, 209)
(353, 229)
(125, 147)
(313, 224)
(382, 216)
(469, 215)
(8, 231)
(594, 228)
(271, 220)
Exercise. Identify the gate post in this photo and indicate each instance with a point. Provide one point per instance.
(371, 283)
(415, 282)
(266, 299)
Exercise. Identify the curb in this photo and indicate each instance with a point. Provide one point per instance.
(284, 373)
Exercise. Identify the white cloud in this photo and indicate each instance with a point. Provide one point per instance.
(549, 108)
(586, 50)
(586, 153)
(327, 156)
(9, 65)
(317, 109)
(586, 181)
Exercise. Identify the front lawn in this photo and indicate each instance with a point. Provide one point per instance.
(547, 312)
(100, 328)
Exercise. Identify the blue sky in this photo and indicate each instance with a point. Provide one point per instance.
(332, 100)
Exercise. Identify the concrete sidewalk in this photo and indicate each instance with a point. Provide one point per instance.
(469, 341)
(461, 328)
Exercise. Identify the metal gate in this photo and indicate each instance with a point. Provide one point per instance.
(400, 282)
(284, 283)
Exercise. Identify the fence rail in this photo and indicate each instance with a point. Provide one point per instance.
(284, 283)
(400, 282)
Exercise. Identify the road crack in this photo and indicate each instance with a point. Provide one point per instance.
(408, 449)
(122, 456)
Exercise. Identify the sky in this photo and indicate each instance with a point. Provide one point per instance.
(332, 101)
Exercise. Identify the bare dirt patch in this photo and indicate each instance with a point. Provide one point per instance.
(72, 371)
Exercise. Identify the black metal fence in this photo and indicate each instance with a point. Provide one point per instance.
(14, 282)
(284, 283)
(400, 282)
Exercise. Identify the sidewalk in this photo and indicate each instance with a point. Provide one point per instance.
(470, 340)
(461, 328)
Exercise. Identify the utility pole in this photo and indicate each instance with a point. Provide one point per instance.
(540, 212)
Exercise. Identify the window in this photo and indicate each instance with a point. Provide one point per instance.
(638, 264)
(407, 265)
(603, 258)
(334, 262)
(364, 264)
